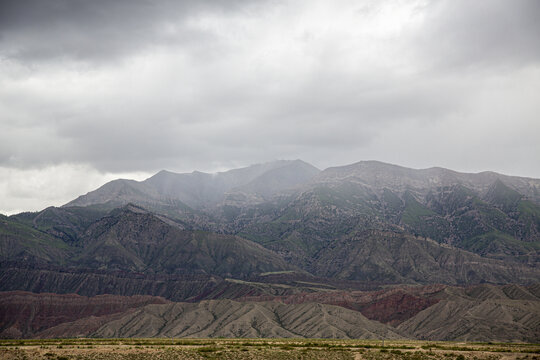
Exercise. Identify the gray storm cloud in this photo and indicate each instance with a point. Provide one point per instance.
(482, 34)
(94, 31)
(119, 88)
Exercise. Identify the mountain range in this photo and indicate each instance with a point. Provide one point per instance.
(251, 240)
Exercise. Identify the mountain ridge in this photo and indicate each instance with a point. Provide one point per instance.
(532, 191)
(288, 232)
(203, 189)
(313, 217)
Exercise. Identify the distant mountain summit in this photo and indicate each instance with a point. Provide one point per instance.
(198, 190)
(379, 175)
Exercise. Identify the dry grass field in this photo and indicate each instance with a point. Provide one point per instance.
(165, 349)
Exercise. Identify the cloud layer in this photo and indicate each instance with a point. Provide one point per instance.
(110, 88)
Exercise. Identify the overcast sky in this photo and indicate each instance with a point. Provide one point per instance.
(95, 90)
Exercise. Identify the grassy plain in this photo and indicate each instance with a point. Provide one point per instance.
(165, 349)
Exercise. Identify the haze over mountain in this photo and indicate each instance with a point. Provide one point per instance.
(284, 229)
(201, 190)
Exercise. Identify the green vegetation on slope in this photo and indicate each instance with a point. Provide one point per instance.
(19, 240)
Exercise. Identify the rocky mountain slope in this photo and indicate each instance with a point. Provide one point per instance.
(390, 305)
(482, 313)
(493, 215)
(18, 240)
(438, 312)
(41, 278)
(475, 212)
(134, 240)
(435, 312)
(367, 222)
(287, 232)
(392, 257)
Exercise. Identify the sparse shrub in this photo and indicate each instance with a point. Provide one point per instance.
(208, 349)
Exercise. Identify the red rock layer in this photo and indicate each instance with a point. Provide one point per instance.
(23, 314)
(390, 306)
